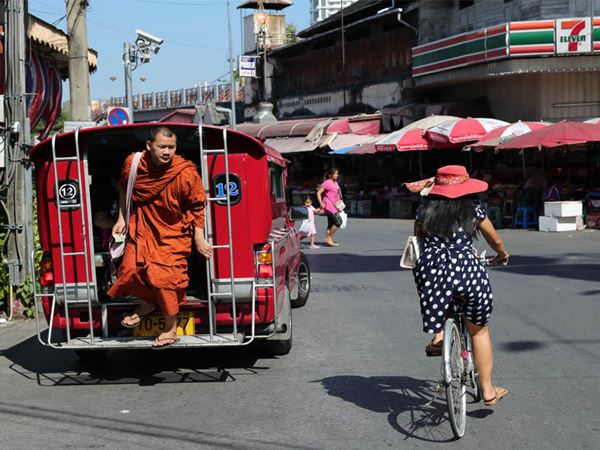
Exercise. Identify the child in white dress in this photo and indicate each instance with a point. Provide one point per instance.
(307, 228)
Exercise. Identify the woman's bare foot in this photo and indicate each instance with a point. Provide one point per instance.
(492, 397)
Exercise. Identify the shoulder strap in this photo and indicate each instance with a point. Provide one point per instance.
(130, 182)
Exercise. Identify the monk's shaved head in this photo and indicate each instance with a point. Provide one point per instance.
(165, 131)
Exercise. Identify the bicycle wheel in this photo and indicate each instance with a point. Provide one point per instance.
(473, 374)
(454, 374)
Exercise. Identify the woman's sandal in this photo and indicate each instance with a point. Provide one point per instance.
(434, 349)
(137, 322)
(500, 394)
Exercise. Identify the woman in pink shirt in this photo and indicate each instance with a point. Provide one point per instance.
(329, 194)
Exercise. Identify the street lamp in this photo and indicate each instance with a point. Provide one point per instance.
(134, 55)
(112, 88)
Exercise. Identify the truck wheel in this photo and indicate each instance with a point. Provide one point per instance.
(303, 282)
(281, 343)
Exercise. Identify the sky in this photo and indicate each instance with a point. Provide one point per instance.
(194, 31)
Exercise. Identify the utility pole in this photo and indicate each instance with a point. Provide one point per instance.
(79, 76)
(127, 55)
(232, 120)
(343, 51)
(16, 185)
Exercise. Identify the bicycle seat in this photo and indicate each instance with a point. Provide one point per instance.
(460, 300)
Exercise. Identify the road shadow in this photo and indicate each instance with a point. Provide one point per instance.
(121, 432)
(522, 346)
(553, 267)
(410, 404)
(353, 263)
(51, 367)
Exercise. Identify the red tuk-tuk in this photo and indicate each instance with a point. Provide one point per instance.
(244, 293)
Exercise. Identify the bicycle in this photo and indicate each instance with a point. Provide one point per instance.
(458, 366)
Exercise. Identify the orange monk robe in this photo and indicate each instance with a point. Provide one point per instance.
(168, 204)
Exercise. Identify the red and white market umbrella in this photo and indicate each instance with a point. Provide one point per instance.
(403, 141)
(502, 134)
(594, 121)
(462, 130)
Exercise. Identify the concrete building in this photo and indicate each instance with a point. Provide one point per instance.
(357, 65)
(532, 60)
(322, 9)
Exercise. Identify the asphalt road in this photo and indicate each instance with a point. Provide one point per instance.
(357, 376)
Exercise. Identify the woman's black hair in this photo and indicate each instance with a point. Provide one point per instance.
(330, 172)
(442, 216)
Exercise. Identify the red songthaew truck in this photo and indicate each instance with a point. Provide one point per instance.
(244, 293)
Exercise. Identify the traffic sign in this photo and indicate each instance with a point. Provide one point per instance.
(118, 116)
(247, 66)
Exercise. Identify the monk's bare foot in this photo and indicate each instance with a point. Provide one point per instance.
(134, 319)
(165, 339)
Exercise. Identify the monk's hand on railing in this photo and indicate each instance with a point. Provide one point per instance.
(119, 227)
(202, 245)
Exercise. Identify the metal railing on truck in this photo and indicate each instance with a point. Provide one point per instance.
(214, 338)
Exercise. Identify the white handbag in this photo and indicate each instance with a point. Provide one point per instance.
(340, 205)
(344, 218)
(116, 246)
(411, 254)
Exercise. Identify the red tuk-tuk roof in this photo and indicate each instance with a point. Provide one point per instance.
(134, 137)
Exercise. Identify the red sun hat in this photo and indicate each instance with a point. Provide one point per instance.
(449, 181)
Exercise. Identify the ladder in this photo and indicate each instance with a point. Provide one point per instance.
(213, 296)
(76, 158)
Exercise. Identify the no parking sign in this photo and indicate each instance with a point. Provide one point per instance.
(118, 116)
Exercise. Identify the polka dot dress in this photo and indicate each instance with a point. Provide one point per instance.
(446, 267)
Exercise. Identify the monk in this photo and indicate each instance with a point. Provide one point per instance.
(167, 215)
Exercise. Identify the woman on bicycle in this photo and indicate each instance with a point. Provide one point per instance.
(448, 220)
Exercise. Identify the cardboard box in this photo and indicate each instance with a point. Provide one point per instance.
(559, 223)
(563, 209)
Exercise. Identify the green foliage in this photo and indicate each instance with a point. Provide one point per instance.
(58, 125)
(291, 34)
(24, 291)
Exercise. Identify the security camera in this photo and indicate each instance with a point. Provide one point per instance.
(149, 38)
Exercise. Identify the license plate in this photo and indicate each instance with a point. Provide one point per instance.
(154, 324)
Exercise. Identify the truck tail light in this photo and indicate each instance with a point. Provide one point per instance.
(264, 264)
(265, 257)
(265, 271)
(46, 274)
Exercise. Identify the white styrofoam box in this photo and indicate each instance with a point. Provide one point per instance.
(559, 223)
(563, 209)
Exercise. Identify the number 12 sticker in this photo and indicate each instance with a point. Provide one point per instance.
(222, 188)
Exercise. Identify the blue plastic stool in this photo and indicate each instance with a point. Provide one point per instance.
(495, 215)
(525, 218)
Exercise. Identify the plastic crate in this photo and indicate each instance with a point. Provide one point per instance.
(401, 209)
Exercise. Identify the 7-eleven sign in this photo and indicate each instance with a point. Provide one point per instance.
(574, 35)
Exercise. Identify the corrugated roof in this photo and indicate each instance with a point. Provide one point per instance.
(267, 4)
(55, 39)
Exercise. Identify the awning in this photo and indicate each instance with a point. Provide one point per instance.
(286, 128)
(291, 145)
(351, 140)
